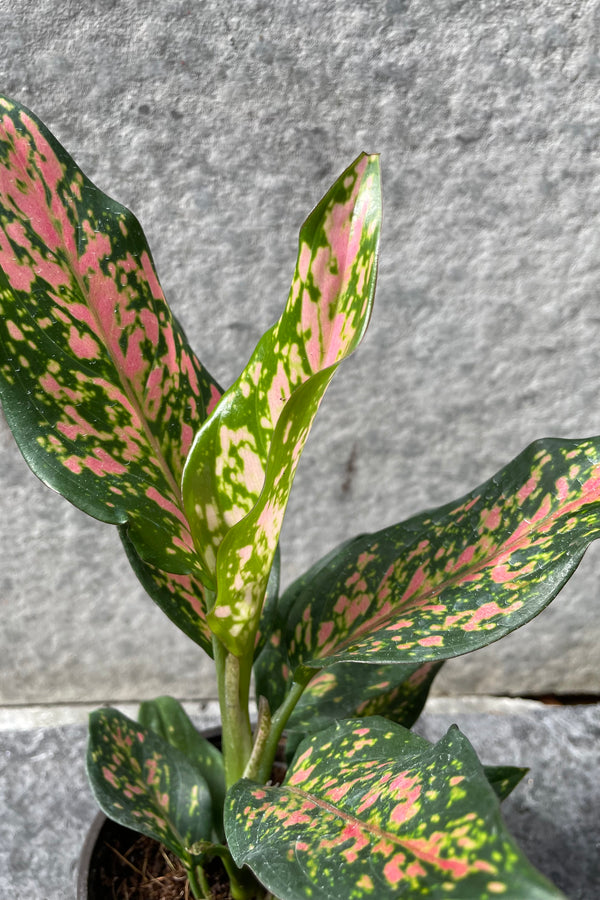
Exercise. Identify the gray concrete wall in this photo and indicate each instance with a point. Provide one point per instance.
(220, 124)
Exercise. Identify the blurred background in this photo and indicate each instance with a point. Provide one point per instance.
(220, 125)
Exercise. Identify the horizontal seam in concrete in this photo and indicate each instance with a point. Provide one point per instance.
(51, 715)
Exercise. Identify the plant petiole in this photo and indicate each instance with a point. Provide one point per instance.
(261, 769)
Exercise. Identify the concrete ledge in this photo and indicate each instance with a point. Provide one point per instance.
(47, 806)
(57, 715)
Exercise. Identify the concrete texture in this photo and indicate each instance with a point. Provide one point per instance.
(221, 124)
(47, 806)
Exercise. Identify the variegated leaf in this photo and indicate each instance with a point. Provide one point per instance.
(456, 578)
(369, 809)
(181, 598)
(239, 472)
(354, 689)
(344, 690)
(166, 717)
(268, 615)
(142, 781)
(98, 383)
(272, 673)
(504, 779)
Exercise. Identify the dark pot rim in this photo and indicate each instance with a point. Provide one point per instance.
(87, 852)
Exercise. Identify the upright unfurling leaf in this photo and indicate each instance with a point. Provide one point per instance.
(239, 472)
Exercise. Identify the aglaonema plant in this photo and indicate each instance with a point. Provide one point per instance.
(111, 408)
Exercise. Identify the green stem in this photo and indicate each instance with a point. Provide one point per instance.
(262, 765)
(198, 883)
(242, 882)
(233, 680)
(241, 888)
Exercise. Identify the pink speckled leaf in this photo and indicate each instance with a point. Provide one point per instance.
(181, 598)
(238, 475)
(179, 595)
(353, 689)
(167, 718)
(97, 381)
(368, 809)
(456, 578)
(347, 689)
(140, 780)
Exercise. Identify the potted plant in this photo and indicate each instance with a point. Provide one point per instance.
(110, 407)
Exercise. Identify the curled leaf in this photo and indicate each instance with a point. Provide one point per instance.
(240, 469)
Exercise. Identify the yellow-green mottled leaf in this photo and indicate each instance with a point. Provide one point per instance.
(368, 809)
(167, 718)
(142, 781)
(239, 472)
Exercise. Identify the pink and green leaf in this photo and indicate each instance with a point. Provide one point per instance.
(239, 472)
(353, 689)
(345, 690)
(97, 381)
(456, 578)
(182, 598)
(142, 781)
(368, 809)
(166, 717)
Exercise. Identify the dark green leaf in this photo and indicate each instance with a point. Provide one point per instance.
(167, 718)
(142, 781)
(355, 689)
(268, 615)
(504, 779)
(344, 690)
(181, 597)
(272, 670)
(369, 809)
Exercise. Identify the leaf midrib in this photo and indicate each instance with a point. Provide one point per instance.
(374, 830)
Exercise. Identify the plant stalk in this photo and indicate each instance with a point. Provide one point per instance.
(233, 680)
(242, 882)
(198, 883)
(261, 736)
